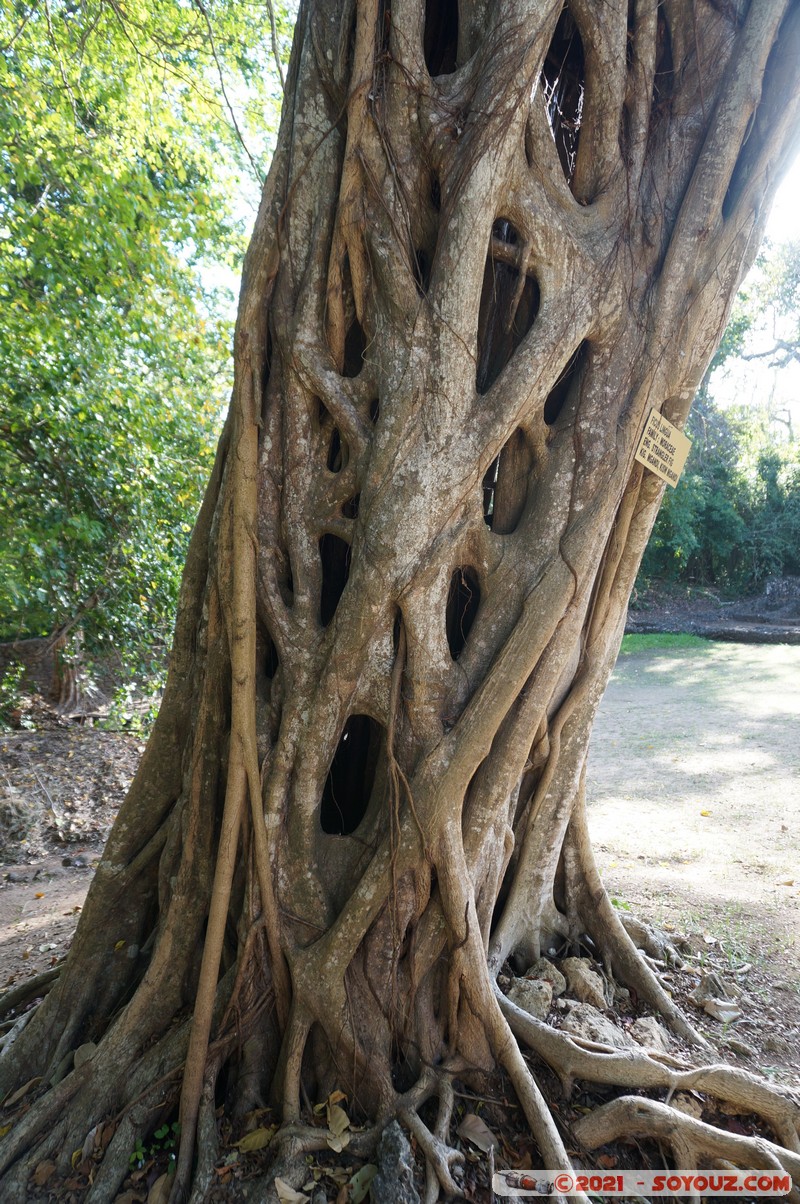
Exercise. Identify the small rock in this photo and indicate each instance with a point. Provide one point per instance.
(18, 816)
(722, 1010)
(582, 982)
(777, 1044)
(622, 996)
(80, 862)
(740, 1048)
(533, 995)
(710, 987)
(16, 876)
(583, 1020)
(545, 971)
(648, 1032)
(687, 1104)
(66, 861)
(693, 944)
(394, 1181)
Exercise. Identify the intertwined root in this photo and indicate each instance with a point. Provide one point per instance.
(691, 1142)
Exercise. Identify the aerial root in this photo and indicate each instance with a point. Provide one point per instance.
(693, 1142)
(207, 1139)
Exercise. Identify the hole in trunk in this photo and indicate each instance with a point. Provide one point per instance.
(436, 193)
(507, 312)
(422, 271)
(333, 447)
(335, 556)
(505, 232)
(350, 779)
(505, 486)
(563, 83)
(350, 507)
(337, 452)
(563, 387)
(463, 600)
(269, 657)
(266, 368)
(440, 42)
(385, 24)
(374, 410)
(355, 345)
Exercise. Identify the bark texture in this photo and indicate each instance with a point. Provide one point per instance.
(493, 237)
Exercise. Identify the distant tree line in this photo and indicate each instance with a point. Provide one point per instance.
(734, 518)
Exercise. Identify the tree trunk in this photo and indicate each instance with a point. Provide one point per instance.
(493, 237)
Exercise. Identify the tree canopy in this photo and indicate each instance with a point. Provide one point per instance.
(131, 135)
(734, 518)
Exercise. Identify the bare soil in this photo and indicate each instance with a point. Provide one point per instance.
(60, 788)
(694, 809)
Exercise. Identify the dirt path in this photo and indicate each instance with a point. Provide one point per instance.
(694, 807)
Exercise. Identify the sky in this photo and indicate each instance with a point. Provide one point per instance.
(754, 382)
(784, 223)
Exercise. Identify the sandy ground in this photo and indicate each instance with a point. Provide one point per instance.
(694, 808)
(694, 788)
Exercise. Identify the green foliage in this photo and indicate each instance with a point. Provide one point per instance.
(734, 518)
(10, 693)
(122, 182)
(135, 704)
(164, 1140)
(663, 640)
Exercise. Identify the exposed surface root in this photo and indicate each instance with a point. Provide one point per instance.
(692, 1142)
(574, 1059)
(40, 984)
(441, 1159)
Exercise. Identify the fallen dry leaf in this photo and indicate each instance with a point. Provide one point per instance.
(475, 1130)
(360, 1183)
(259, 1139)
(338, 1120)
(287, 1194)
(159, 1192)
(43, 1172)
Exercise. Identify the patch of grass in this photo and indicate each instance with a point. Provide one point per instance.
(662, 639)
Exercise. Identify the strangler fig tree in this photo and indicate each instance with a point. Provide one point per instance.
(495, 235)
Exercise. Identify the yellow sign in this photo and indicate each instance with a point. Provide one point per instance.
(663, 448)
